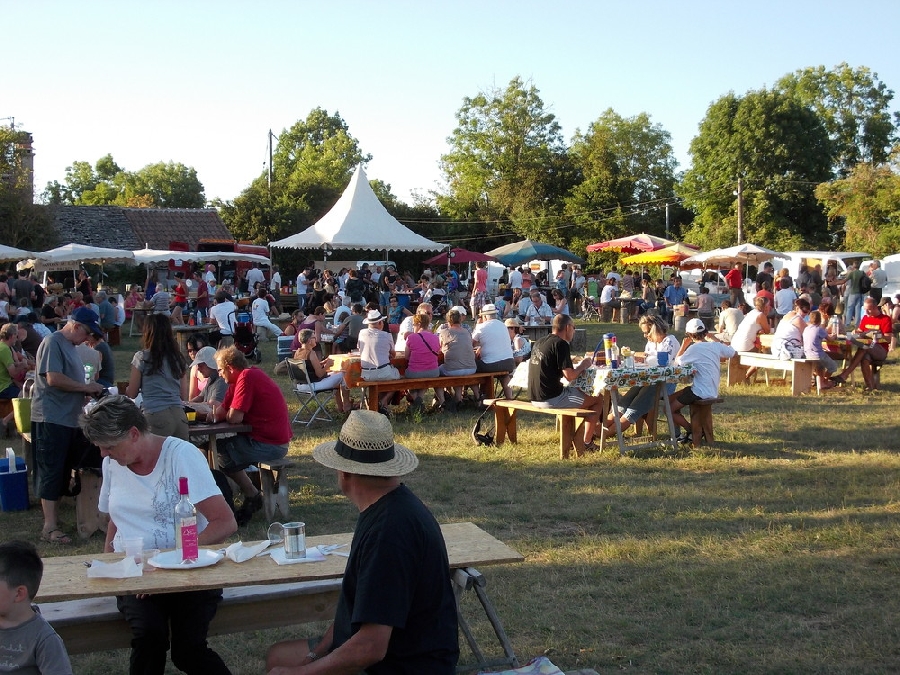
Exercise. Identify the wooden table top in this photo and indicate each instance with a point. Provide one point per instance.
(207, 428)
(65, 577)
(199, 328)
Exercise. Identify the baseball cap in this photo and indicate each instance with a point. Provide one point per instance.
(89, 318)
(205, 355)
(695, 326)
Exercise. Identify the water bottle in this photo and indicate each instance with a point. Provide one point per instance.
(185, 525)
(614, 354)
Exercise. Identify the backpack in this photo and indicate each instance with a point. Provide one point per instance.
(486, 438)
(865, 284)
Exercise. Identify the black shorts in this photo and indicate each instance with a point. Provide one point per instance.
(687, 396)
(58, 450)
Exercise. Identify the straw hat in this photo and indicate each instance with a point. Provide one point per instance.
(366, 447)
(374, 316)
(489, 308)
(513, 323)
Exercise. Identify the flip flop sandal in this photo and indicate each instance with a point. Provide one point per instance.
(56, 536)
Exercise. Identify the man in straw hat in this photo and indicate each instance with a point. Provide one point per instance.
(396, 612)
(376, 349)
(493, 349)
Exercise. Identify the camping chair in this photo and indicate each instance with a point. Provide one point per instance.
(307, 396)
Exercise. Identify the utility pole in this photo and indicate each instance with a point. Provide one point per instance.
(740, 210)
(270, 160)
(667, 220)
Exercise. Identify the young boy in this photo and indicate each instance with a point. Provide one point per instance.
(28, 644)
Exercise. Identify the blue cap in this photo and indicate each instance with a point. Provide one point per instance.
(89, 318)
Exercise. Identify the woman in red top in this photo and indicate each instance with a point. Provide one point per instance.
(878, 326)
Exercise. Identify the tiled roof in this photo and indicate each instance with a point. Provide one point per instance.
(117, 227)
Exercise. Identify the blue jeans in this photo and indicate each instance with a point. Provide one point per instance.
(852, 309)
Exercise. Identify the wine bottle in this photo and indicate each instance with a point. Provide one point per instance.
(185, 524)
(614, 354)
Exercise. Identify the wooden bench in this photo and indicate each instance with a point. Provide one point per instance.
(569, 421)
(702, 421)
(273, 484)
(801, 369)
(95, 624)
(375, 388)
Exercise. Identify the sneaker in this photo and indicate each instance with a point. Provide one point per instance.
(685, 437)
(837, 379)
(592, 447)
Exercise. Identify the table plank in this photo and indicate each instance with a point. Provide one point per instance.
(65, 577)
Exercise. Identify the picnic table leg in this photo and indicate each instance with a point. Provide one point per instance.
(802, 379)
(668, 408)
(566, 435)
(504, 420)
(371, 398)
(578, 440)
(614, 406)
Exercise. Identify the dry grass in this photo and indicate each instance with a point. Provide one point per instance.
(773, 552)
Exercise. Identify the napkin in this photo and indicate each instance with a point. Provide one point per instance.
(312, 555)
(126, 567)
(240, 552)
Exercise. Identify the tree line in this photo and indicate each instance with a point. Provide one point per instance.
(816, 156)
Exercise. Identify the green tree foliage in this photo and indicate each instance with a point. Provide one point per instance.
(160, 185)
(853, 105)
(781, 150)
(627, 175)
(867, 204)
(312, 165)
(507, 161)
(22, 223)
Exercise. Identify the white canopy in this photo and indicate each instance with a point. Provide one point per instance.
(148, 256)
(11, 253)
(71, 255)
(742, 253)
(359, 221)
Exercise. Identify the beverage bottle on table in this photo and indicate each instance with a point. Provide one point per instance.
(185, 524)
(614, 353)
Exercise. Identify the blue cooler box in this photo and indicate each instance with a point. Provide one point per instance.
(13, 486)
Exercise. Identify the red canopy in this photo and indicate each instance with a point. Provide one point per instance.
(634, 243)
(458, 255)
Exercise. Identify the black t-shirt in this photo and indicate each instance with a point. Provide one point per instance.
(763, 277)
(398, 575)
(355, 289)
(548, 358)
(47, 312)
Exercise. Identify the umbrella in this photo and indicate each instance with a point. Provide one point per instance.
(458, 255)
(667, 255)
(526, 250)
(10, 253)
(633, 243)
(742, 253)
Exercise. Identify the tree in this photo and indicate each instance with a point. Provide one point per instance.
(160, 185)
(854, 107)
(312, 164)
(627, 170)
(507, 160)
(781, 150)
(22, 223)
(867, 204)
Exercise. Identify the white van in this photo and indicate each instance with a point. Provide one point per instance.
(891, 265)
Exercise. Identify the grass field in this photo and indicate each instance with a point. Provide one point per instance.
(775, 551)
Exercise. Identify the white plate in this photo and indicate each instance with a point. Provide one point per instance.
(171, 560)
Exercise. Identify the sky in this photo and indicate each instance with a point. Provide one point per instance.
(201, 83)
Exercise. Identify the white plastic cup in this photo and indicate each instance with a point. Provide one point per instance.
(134, 547)
(147, 555)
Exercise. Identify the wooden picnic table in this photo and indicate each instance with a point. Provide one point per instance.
(183, 332)
(213, 430)
(538, 331)
(65, 577)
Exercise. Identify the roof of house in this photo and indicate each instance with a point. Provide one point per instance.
(127, 228)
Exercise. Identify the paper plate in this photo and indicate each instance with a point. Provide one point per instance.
(171, 560)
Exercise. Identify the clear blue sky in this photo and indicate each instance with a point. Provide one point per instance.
(202, 82)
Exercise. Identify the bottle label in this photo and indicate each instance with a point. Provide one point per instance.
(187, 534)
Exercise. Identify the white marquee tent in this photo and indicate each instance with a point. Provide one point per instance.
(358, 221)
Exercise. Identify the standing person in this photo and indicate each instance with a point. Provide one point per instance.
(766, 275)
(479, 290)
(550, 361)
(159, 372)
(23, 289)
(255, 276)
(106, 374)
(302, 288)
(784, 298)
(57, 398)
(396, 613)
(515, 278)
(202, 298)
(735, 281)
(853, 296)
(705, 353)
(260, 312)
(28, 644)
(527, 279)
(576, 286)
(254, 399)
(879, 280)
(275, 287)
(674, 295)
(141, 472)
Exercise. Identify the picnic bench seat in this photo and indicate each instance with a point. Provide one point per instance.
(95, 624)
(273, 475)
(375, 388)
(801, 370)
(569, 420)
(702, 421)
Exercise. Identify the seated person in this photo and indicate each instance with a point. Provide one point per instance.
(254, 399)
(29, 643)
(704, 352)
(317, 371)
(674, 295)
(422, 349)
(787, 342)
(609, 297)
(706, 306)
(521, 345)
(729, 320)
(813, 336)
(878, 326)
(493, 350)
(550, 361)
(538, 311)
(396, 314)
(376, 349)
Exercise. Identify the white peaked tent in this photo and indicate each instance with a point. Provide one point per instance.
(359, 221)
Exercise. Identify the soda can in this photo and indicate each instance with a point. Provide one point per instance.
(294, 540)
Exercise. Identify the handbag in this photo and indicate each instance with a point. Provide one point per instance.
(439, 355)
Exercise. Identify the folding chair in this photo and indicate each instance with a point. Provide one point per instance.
(309, 399)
